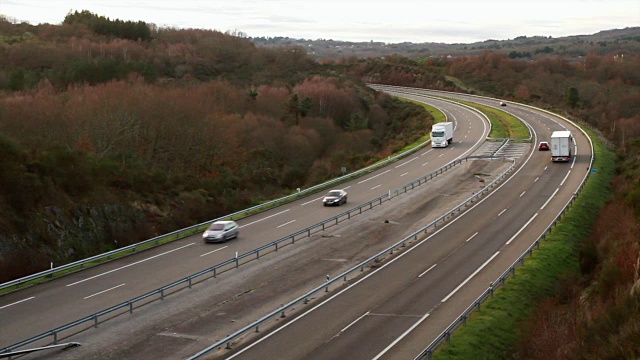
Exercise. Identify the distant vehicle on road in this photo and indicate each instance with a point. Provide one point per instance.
(544, 146)
(561, 146)
(335, 197)
(221, 231)
(502, 103)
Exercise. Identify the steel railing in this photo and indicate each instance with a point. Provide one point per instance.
(445, 336)
(304, 299)
(129, 305)
(198, 227)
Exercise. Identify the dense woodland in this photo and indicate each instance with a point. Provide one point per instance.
(186, 125)
(107, 141)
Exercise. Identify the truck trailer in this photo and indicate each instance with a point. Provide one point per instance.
(561, 146)
(441, 134)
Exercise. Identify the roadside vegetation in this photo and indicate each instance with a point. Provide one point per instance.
(503, 124)
(106, 141)
(110, 135)
(552, 269)
(594, 310)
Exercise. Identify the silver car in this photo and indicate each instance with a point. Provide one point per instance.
(221, 231)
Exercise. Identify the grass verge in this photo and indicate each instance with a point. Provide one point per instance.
(493, 331)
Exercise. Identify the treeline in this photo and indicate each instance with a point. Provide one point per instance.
(106, 141)
(115, 28)
(73, 53)
(596, 310)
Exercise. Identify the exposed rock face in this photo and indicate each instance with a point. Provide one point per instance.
(64, 235)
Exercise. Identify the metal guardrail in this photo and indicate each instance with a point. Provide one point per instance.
(129, 305)
(23, 352)
(198, 227)
(445, 336)
(304, 299)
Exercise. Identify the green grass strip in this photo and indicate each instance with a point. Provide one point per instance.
(503, 124)
(493, 331)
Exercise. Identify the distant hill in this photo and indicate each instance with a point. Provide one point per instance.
(534, 47)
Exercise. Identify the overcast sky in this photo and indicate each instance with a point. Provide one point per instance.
(390, 21)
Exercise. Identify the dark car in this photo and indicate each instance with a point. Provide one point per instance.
(335, 197)
(221, 231)
(544, 146)
(502, 103)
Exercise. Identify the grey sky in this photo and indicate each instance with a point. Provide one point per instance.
(391, 21)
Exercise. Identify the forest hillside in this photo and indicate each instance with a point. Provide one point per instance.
(112, 132)
(594, 311)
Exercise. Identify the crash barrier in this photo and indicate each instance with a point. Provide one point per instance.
(178, 234)
(94, 320)
(445, 336)
(325, 287)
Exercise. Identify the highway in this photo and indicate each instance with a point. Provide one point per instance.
(393, 311)
(37, 309)
(396, 310)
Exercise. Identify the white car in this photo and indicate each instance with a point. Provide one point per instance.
(221, 231)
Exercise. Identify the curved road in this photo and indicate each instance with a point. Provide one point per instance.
(396, 310)
(34, 310)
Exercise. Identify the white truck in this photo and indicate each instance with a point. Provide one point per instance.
(561, 145)
(441, 134)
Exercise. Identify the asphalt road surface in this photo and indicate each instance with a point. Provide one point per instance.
(392, 311)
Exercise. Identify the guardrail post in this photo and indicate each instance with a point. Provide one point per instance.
(95, 320)
(161, 294)
(257, 328)
(189, 282)
(130, 307)
(491, 288)
(448, 337)
(55, 338)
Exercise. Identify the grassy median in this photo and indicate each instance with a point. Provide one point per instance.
(493, 332)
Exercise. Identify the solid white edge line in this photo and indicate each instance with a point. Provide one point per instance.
(211, 252)
(470, 277)
(549, 199)
(354, 321)
(400, 337)
(522, 228)
(126, 266)
(104, 291)
(15, 303)
(429, 269)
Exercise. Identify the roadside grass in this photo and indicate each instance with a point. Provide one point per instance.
(493, 331)
(437, 115)
(503, 124)
(115, 256)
